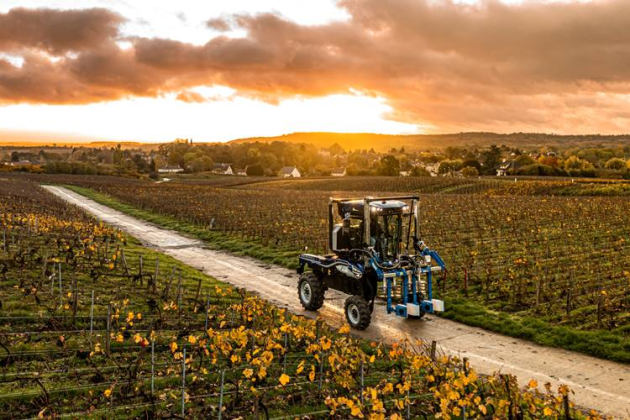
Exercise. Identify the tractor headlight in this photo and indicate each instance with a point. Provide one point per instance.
(427, 259)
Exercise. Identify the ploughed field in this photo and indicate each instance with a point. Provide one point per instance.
(510, 247)
(92, 324)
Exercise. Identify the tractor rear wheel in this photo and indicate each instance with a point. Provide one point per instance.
(358, 312)
(311, 291)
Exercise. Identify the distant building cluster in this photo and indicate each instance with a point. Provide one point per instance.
(297, 160)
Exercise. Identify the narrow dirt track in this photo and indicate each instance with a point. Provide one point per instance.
(597, 383)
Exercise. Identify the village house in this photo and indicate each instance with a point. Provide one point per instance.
(21, 163)
(431, 168)
(338, 172)
(504, 168)
(170, 169)
(223, 169)
(290, 172)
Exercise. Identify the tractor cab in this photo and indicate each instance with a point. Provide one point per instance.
(387, 220)
(374, 252)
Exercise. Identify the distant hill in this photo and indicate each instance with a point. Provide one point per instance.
(123, 144)
(37, 139)
(349, 141)
(384, 142)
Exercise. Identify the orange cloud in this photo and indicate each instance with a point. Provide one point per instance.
(191, 97)
(218, 24)
(57, 31)
(490, 66)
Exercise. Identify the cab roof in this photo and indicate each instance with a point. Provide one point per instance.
(355, 207)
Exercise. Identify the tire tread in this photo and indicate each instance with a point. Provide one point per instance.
(317, 291)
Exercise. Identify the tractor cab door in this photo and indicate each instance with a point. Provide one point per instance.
(386, 235)
(348, 234)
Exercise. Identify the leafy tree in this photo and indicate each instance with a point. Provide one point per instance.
(176, 158)
(141, 165)
(388, 166)
(336, 149)
(419, 171)
(118, 154)
(576, 163)
(616, 164)
(549, 161)
(447, 166)
(196, 165)
(472, 163)
(160, 162)
(353, 169)
(536, 169)
(15, 157)
(523, 160)
(253, 155)
(454, 152)
(270, 161)
(491, 159)
(202, 163)
(255, 170)
(322, 170)
(189, 157)
(470, 171)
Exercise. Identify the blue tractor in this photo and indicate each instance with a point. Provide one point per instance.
(374, 253)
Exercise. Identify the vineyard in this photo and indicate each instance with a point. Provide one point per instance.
(94, 325)
(448, 185)
(549, 261)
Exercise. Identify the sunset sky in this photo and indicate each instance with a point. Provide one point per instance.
(156, 70)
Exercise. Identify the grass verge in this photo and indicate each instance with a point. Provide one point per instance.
(603, 344)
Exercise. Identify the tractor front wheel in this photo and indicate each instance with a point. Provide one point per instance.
(311, 291)
(358, 312)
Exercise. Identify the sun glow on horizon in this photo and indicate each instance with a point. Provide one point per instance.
(220, 117)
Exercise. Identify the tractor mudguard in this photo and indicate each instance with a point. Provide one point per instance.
(312, 261)
(319, 263)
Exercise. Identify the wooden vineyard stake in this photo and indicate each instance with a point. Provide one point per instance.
(362, 380)
(109, 329)
(184, 383)
(221, 395)
(198, 291)
(569, 293)
(124, 262)
(466, 281)
(60, 288)
(155, 277)
(140, 271)
(92, 316)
